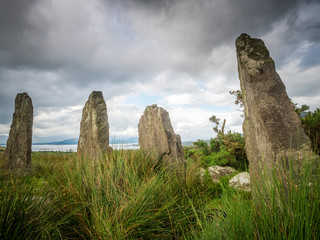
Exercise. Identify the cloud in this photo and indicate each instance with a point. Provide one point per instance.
(293, 33)
(302, 84)
(65, 121)
(177, 53)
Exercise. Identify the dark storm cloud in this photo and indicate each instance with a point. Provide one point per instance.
(60, 50)
(207, 23)
(312, 57)
(16, 31)
(191, 30)
(42, 36)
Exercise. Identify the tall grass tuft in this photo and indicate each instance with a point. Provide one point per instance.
(292, 210)
(127, 195)
(25, 212)
(287, 209)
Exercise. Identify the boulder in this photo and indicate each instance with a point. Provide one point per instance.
(241, 181)
(216, 172)
(17, 156)
(272, 129)
(94, 129)
(157, 137)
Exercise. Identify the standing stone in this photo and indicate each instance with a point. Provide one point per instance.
(17, 155)
(272, 129)
(94, 128)
(156, 136)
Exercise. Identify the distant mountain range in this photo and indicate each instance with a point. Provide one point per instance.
(71, 141)
(74, 141)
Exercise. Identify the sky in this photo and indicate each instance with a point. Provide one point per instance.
(179, 54)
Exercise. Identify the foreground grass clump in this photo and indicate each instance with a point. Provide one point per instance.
(293, 209)
(130, 195)
(25, 210)
(125, 195)
(286, 210)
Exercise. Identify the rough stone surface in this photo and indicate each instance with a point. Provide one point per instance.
(216, 172)
(94, 128)
(156, 136)
(272, 129)
(17, 155)
(241, 181)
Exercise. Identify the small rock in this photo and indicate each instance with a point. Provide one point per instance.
(202, 171)
(216, 172)
(241, 181)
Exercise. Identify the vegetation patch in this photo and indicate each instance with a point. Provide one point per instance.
(128, 195)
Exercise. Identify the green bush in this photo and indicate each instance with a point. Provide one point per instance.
(311, 125)
(224, 150)
(202, 146)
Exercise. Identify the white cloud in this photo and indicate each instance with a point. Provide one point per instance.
(302, 84)
(123, 118)
(63, 122)
(4, 129)
(193, 123)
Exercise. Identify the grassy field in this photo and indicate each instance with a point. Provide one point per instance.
(129, 195)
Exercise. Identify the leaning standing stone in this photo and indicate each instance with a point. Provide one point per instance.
(273, 132)
(94, 128)
(17, 155)
(156, 136)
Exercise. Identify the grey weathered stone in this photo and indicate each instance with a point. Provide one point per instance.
(216, 172)
(17, 156)
(156, 136)
(241, 181)
(272, 129)
(94, 129)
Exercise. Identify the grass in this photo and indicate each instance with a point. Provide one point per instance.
(284, 209)
(130, 195)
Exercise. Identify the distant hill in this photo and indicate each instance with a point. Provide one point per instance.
(74, 141)
(71, 141)
(187, 143)
(121, 140)
(36, 139)
(190, 143)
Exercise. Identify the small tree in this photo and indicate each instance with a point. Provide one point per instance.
(239, 100)
(216, 121)
(226, 149)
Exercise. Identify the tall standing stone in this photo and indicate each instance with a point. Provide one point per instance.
(272, 129)
(156, 136)
(94, 128)
(17, 155)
